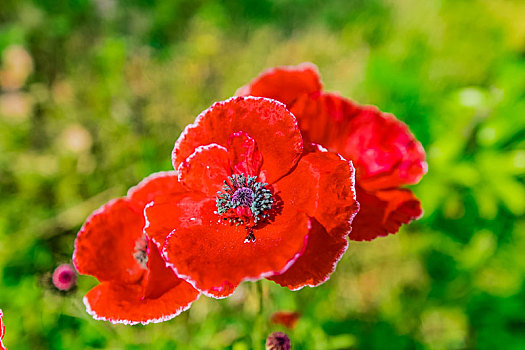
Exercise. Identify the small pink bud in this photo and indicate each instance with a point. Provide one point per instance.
(278, 341)
(64, 277)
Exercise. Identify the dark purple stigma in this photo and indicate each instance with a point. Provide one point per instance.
(243, 197)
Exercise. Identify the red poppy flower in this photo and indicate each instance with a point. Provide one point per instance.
(258, 204)
(2, 331)
(136, 286)
(386, 155)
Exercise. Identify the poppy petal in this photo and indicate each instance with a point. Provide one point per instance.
(321, 118)
(123, 303)
(318, 261)
(383, 212)
(284, 83)
(168, 212)
(159, 278)
(161, 183)
(267, 121)
(322, 184)
(245, 157)
(205, 169)
(115, 224)
(214, 257)
(382, 148)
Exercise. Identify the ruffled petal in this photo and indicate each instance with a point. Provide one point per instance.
(205, 169)
(383, 212)
(382, 148)
(123, 303)
(321, 118)
(267, 121)
(318, 261)
(168, 212)
(245, 157)
(159, 278)
(115, 224)
(284, 83)
(212, 255)
(161, 183)
(322, 185)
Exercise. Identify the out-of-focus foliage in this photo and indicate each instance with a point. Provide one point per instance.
(94, 94)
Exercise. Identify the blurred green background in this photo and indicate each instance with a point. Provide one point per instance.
(95, 92)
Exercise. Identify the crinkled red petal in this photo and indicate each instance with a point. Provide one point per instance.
(322, 184)
(212, 254)
(123, 303)
(382, 148)
(245, 157)
(284, 83)
(159, 278)
(168, 212)
(318, 261)
(116, 224)
(161, 183)
(318, 117)
(267, 121)
(383, 212)
(205, 169)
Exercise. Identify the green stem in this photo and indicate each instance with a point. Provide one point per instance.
(259, 328)
(261, 296)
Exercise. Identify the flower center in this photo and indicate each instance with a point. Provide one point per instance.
(141, 251)
(244, 201)
(243, 196)
(65, 277)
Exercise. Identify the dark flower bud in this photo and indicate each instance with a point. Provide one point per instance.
(278, 341)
